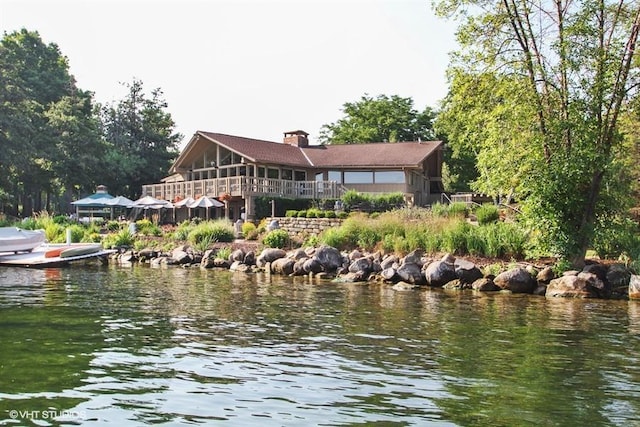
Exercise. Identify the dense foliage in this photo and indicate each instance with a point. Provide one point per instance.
(537, 92)
(58, 145)
(380, 119)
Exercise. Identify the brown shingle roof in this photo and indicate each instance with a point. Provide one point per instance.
(400, 154)
(260, 151)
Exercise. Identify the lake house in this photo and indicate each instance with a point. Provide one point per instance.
(238, 169)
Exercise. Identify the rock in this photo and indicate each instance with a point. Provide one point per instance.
(449, 259)
(414, 257)
(207, 259)
(329, 257)
(128, 256)
(298, 269)
(545, 275)
(237, 255)
(599, 270)
(180, 256)
(221, 263)
(517, 280)
(157, 262)
(240, 267)
(466, 271)
(571, 287)
(249, 258)
(355, 254)
(634, 287)
(484, 285)
(540, 290)
(269, 255)
(455, 285)
(361, 265)
(299, 254)
(403, 286)
(388, 273)
(351, 277)
(312, 265)
(388, 261)
(411, 273)
(597, 285)
(146, 254)
(439, 273)
(283, 266)
(618, 276)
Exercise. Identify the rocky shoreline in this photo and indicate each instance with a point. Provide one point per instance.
(415, 270)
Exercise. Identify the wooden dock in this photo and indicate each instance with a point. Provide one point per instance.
(37, 259)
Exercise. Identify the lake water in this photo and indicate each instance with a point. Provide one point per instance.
(137, 346)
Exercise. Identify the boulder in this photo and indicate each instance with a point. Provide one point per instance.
(634, 287)
(484, 284)
(403, 286)
(572, 287)
(389, 261)
(269, 255)
(239, 266)
(439, 273)
(351, 278)
(545, 275)
(599, 270)
(207, 259)
(221, 263)
(618, 276)
(517, 280)
(299, 254)
(456, 285)
(361, 265)
(147, 253)
(466, 271)
(388, 273)
(237, 255)
(597, 285)
(180, 256)
(312, 265)
(249, 258)
(355, 254)
(414, 257)
(283, 266)
(411, 273)
(329, 257)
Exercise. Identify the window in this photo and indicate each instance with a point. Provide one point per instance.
(389, 177)
(320, 176)
(273, 173)
(335, 176)
(261, 172)
(358, 177)
(300, 175)
(287, 174)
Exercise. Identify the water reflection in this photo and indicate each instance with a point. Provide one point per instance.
(140, 345)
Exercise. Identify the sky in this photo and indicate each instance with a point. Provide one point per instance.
(253, 68)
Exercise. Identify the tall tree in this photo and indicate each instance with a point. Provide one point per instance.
(35, 85)
(141, 140)
(577, 61)
(380, 119)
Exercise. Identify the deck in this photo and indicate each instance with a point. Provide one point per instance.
(36, 258)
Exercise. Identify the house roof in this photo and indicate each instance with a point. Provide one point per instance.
(380, 155)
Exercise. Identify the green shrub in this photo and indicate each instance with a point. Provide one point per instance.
(276, 239)
(487, 213)
(147, 228)
(312, 213)
(224, 253)
(291, 213)
(329, 214)
(211, 232)
(78, 233)
(343, 215)
(120, 239)
(440, 209)
(457, 209)
(302, 214)
(55, 233)
(113, 225)
(248, 228)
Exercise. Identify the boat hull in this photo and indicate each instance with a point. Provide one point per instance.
(13, 239)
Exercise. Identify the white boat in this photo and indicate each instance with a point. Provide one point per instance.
(13, 239)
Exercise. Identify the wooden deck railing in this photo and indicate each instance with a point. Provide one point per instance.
(245, 186)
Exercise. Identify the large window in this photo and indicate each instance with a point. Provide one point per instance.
(335, 176)
(273, 173)
(287, 174)
(358, 177)
(389, 177)
(299, 175)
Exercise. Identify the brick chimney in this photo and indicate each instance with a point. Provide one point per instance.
(297, 138)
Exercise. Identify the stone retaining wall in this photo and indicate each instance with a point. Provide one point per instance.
(304, 227)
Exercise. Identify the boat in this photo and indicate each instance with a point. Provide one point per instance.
(14, 239)
(80, 250)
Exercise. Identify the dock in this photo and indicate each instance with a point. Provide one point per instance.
(37, 259)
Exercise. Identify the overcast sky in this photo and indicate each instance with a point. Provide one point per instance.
(253, 68)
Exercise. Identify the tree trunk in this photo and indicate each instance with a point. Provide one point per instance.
(584, 235)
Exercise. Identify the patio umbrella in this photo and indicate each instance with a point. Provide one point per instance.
(148, 202)
(206, 202)
(182, 203)
(120, 201)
